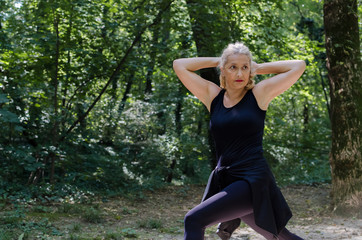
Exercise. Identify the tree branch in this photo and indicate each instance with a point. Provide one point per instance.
(166, 5)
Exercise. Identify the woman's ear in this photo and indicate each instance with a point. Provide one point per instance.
(221, 71)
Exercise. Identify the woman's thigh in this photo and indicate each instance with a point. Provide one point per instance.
(234, 201)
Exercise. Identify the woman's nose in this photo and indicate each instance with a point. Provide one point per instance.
(240, 73)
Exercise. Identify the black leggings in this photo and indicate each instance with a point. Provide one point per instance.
(232, 202)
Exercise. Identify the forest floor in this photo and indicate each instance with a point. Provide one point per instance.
(159, 215)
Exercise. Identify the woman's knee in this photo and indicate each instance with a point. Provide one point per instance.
(195, 219)
(191, 219)
(193, 226)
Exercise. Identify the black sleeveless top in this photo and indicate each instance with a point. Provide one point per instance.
(238, 135)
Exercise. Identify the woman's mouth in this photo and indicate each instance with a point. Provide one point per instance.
(239, 80)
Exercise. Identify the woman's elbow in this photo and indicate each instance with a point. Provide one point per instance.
(177, 64)
(302, 65)
(298, 66)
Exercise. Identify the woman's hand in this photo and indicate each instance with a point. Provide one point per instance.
(254, 68)
(288, 72)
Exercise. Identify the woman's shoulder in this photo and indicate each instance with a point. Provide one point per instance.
(215, 98)
(214, 92)
(217, 93)
(259, 97)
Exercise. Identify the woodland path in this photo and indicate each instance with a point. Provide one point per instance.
(313, 218)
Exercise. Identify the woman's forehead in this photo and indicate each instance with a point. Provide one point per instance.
(238, 59)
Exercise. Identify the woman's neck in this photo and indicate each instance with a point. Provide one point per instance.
(235, 94)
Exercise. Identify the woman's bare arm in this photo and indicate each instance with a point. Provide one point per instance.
(288, 72)
(203, 89)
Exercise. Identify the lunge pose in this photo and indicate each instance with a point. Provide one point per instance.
(241, 187)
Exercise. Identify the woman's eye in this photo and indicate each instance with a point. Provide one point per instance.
(245, 67)
(232, 67)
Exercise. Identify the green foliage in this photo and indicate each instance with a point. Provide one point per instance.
(16, 224)
(150, 223)
(76, 227)
(55, 59)
(129, 233)
(125, 210)
(92, 215)
(118, 236)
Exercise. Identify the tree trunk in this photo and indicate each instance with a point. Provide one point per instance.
(325, 92)
(127, 90)
(344, 72)
(202, 38)
(55, 84)
(67, 68)
(151, 67)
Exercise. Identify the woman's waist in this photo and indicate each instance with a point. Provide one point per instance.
(255, 169)
(247, 158)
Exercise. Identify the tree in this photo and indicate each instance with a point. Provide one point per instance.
(205, 28)
(88, 96)
(344, 72)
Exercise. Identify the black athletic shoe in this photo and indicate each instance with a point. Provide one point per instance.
(225, 229)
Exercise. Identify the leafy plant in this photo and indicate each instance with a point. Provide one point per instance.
(92, 215)
(129, 233)
(150, 223)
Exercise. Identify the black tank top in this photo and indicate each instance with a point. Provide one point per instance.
(238, 130)
(238, 135)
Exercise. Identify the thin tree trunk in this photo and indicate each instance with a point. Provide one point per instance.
(178, 130)
(344, 72)
(55, 100)
(325, 93)
(148, 89)
(68, 68)
(202, 37)
(126, 94)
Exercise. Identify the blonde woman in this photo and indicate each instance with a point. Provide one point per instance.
(242, 185)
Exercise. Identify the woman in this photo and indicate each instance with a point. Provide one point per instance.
(242, 185)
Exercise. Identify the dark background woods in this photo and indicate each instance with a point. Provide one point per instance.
(89, 102)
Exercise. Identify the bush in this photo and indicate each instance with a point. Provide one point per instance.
(92, 215)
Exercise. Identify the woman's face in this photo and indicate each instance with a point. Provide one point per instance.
(236, 71)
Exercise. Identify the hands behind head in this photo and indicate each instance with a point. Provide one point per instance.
(254, 68)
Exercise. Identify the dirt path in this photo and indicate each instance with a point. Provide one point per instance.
(310, 205)
(158, 215)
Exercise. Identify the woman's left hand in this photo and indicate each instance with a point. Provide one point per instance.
(254, 67)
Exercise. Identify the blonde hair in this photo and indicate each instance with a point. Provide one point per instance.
(231, 49)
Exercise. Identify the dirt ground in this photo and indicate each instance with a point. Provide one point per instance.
(158, 215)
(313, 218)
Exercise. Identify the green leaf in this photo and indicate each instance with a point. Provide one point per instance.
(7, 116)
(21, 237)
(3, 98)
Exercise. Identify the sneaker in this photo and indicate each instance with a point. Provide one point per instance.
(225, 229)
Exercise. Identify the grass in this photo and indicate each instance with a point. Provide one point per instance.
(92, 215)
(71, 208)
(76, 227)
(150, 223)
(128, 211)
(159, 216)
(19, 221)
(129, 233)
(8, 235)
(114, 236)
(10, 219)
